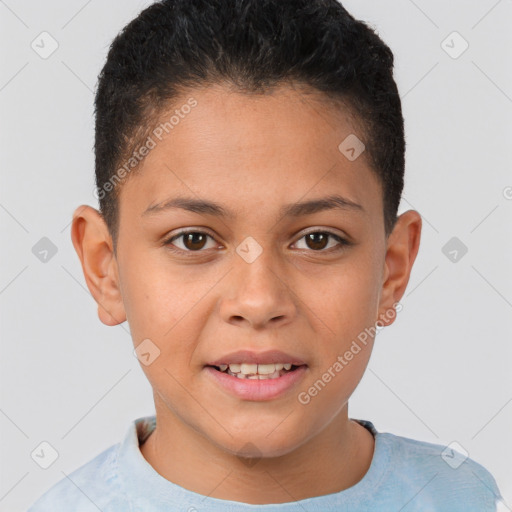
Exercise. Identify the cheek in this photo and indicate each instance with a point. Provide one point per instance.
(155, 295)
(164, 305)
(350, 300)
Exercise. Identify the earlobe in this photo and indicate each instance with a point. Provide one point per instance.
(401, 252)
(93, 245)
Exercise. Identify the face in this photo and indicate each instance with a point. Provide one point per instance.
(255, 271)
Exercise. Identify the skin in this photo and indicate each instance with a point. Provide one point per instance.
(251, 154)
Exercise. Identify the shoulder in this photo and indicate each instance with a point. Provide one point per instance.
(440, 473)
(89, 488)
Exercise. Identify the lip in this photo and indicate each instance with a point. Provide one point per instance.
(251, 357)
(255, 389)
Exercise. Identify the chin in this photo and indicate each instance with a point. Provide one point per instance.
(259, 443)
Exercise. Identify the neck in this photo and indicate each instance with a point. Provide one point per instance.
(335, 459)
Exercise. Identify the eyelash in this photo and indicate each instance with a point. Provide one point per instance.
(343, 243)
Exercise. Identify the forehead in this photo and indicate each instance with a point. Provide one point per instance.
(251, 151)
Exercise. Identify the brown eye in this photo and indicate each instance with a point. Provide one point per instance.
(319, 240)
(192, 241)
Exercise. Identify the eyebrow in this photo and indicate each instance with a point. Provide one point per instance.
(202, 206)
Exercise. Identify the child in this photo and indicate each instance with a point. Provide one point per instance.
(249, 168)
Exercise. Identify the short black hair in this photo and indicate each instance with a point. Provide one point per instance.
(174, 46)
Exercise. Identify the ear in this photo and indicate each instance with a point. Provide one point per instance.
(402, 248)
(93, 244)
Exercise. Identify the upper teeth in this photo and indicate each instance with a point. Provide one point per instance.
(251, 369)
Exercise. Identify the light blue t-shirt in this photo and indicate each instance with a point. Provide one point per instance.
(405, 475)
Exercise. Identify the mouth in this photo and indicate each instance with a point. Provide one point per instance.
(248, 375)
(252, 371)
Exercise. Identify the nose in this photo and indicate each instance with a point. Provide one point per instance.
(257, 294)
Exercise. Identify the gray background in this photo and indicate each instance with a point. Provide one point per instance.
(441, 373)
